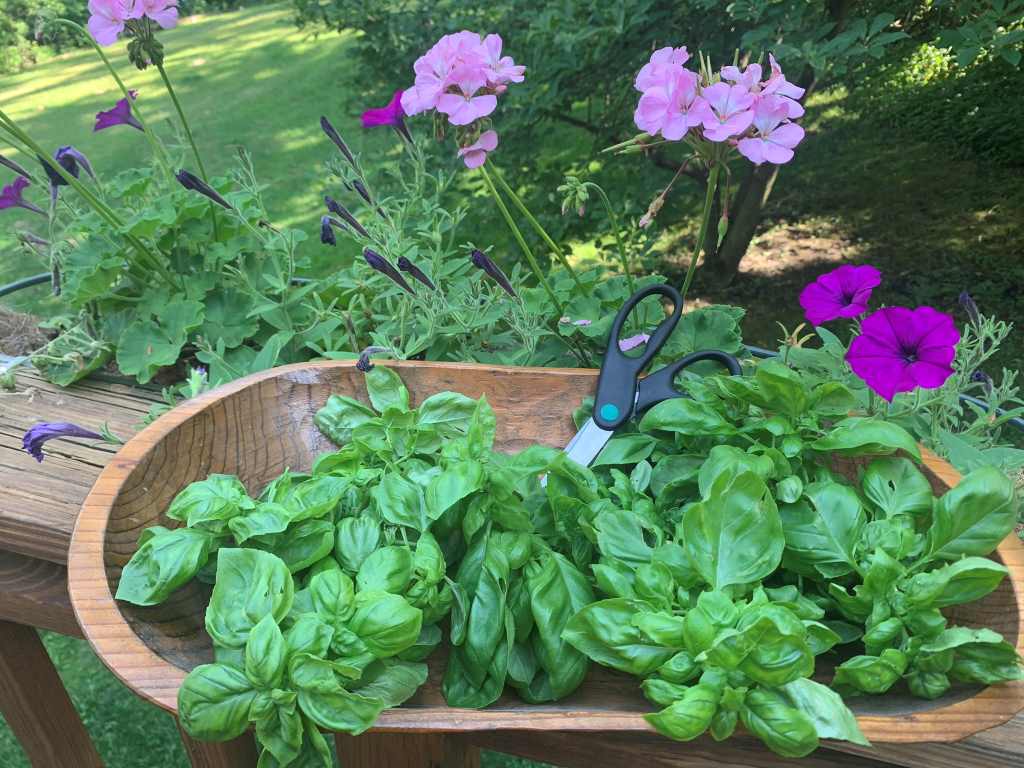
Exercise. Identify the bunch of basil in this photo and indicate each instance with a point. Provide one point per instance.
(712, 551)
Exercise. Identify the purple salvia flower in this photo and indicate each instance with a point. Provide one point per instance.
(6, 161)
(482, 261)
(971, 309)
(334, 136)
(72, 161)
(192, 182)
(40, 433)
(120, 114)
(407, 266)
(339, 210)
(360, 188)
(326, 232)
(363, 363)
(382, 265)
(10, 196)
(980, 377)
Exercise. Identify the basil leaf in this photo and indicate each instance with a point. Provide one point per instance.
(986, 662)
(973, 517)
(386, 389)
(278, 726)
(355, 539)
(210, 503)
(392, 682)
(605, 632)
(400, 502)
(309, 634)
(927, 685)
(662, 692)
(824, 707)
(339, 416)
(963, 581)
(316, 497)
(688, 717)
(451, 486)
(620, 536)
(727, 459)
(871, 674)
(557, 592)
(302, 544)
(785, 730)
(713, 612)
(332, 595)
(214, 702)
(164, 561)
(250, 585)
(897, 487)
(626, 449)
(265, 518)
(265, 653)
(680, 669)
(781, 387)
(771, 650)
(821, 536)
(388, 569)
(735, 535)
(447, 414)
(861, 436)
(386, 623)
(685, 416)
(428, 560)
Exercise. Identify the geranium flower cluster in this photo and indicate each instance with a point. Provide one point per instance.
(897, 349)
(461, 77)
(737, 107)
(109, 17)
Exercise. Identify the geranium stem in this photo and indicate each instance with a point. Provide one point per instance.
(709, 197)
(530, 258)
(191, 140)
(555, 249)
(618, 233)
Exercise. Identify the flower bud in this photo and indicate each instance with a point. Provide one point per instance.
(194, 183)
(482, 261)
(382, 265)
(339, 210)
(334, 136)
(326, 232)
(407, 266)
(971, 309)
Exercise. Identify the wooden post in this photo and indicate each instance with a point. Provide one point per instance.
(36, 706)
(401, 750)
(237, 753)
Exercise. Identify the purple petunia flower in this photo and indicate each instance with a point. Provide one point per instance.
(73, 162)
(633, 342)
(121, 114)
(10, 196)
(843, 292)
(900, 349)
(407, 266)
(482, 261)
(40, 433)
(392, 114)
(382, 265)
(192, 182)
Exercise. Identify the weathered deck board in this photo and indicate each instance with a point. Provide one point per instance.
(41, 503)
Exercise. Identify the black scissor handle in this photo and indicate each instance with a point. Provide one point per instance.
(660, 385)
(617, 383)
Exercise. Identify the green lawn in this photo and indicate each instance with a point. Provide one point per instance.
(246, 79)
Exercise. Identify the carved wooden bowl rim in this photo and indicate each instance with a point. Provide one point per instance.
(155, 679)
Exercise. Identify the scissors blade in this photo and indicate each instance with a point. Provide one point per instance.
(588, 442)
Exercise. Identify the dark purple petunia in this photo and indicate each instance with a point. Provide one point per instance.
(120, 114)
(392, 115)
(192, 182)
(72, 161)
(482, 261)
(326, 232)
(339, 210)
(10, 196)
(843, 292)
(6, 161)
(407, 266)
(900, 349)
(40, 433)
(334, 136)
(382, 265)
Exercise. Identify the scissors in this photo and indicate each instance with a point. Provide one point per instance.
(621, 393)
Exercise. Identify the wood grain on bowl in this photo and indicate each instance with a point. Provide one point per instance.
(261, 425)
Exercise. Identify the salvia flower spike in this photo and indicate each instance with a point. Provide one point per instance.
(482, 261)
(363, 363)
(339, 210)
(48, 430)
(339, 142)
(382, 265)
(6, 161)
(192, 182)
(326, 232)
(407, 266)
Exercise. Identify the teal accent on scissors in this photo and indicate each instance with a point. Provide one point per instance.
(609, 411)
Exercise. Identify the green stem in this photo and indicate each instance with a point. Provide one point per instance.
(618, 233)
(99, 206)
(559, 253)
(191, 141)
(534, 266)
(158, 149)
(709, 197)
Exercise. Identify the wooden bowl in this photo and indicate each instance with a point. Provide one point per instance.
(259, 426)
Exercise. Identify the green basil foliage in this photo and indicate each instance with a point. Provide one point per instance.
(712, 551)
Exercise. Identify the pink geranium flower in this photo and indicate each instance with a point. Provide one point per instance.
(729, 112)
(900, 349)
(107, 18)
(163, 12)
(467, 104)
(774, 139)
(501, 69)
(749, 78)
(475, 154)
(843, 292)
(392, 114)
(664, 63)
(780, 87)
(671, 109)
